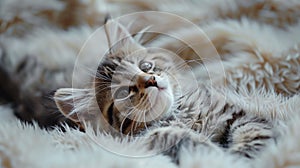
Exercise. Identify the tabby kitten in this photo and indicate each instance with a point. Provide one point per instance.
(151, 92)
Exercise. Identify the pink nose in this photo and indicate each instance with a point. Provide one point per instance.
(151, 82)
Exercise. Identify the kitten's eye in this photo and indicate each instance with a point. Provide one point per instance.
(121, 93)
(146, 66)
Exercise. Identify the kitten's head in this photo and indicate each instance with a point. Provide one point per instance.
(133, 86)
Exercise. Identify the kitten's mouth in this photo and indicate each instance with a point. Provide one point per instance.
(152, 83)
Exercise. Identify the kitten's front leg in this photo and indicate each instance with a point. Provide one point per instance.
(250, 136)
(171, 139)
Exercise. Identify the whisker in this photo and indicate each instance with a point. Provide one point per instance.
(181, 49)
(145, 124)
(133, 124)
(122, 123)
(100, 90)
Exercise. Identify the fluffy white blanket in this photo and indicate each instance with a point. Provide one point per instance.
(256, 40)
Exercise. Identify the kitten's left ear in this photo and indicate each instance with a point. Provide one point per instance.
(64, 102)
(72, 103)
(80, 106)
(119, 39)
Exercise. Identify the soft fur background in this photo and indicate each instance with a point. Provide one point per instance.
(257, 41)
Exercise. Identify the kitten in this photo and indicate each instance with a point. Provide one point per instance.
(151, 92)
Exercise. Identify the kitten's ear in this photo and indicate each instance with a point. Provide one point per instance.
(119, 39)
(65, 101)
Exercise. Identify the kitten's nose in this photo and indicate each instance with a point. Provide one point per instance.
(151, 82)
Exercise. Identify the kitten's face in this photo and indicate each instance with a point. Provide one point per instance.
(133, 86)
(135, 89)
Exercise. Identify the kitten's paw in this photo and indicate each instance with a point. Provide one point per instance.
(169, 140)
(166, 137)
(250, 138)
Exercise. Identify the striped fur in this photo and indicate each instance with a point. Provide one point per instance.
(200, 116)
(212, 120)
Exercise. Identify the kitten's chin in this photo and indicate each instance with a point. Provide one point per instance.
(161, 101)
